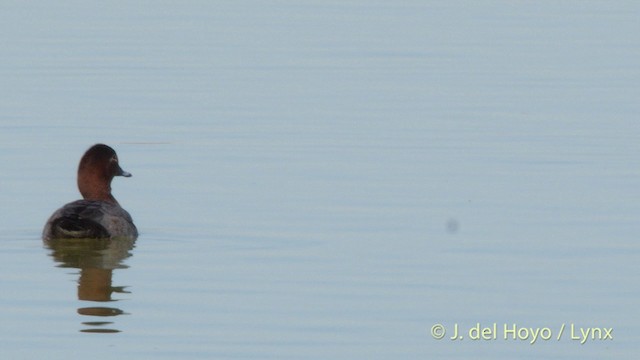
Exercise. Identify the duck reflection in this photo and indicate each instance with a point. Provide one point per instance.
(96, 259)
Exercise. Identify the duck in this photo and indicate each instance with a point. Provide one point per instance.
(98, 215)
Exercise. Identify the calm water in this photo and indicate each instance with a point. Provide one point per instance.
(324, 179)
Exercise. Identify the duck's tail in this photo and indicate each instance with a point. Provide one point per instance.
(68, 227)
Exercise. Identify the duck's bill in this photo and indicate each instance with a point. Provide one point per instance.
(123, 173)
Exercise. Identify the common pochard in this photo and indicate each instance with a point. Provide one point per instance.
(98, 214)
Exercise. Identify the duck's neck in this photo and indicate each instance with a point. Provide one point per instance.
(93, 188)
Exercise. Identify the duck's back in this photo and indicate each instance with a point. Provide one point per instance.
(90, 219)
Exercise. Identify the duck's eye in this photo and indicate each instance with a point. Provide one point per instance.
(114, 159)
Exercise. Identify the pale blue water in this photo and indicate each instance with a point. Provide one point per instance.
(324, 180)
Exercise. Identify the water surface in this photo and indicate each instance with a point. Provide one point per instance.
(323, 179)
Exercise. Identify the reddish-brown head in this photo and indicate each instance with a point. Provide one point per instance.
(97, 168)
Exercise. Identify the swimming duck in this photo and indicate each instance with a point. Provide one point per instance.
(98, 214)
